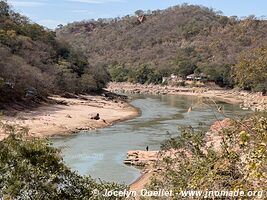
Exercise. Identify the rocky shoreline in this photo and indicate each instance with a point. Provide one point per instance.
(246, 100)
(149, 160)
(141, 158)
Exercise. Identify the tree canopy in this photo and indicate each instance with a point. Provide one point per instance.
(177, 40)
(251, 70)
(34, 61)
(32, 169)
(239, 164)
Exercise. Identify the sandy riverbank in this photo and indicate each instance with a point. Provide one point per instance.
(71, 117)
(246, 100)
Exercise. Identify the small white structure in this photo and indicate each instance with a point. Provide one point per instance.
(191, 77)
(173, 79)
(199, 77)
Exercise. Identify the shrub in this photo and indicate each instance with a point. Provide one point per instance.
(251, 71)
(239, 164)
(32, 169)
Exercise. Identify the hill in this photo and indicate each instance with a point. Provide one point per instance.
(34, 63)
(182, 39)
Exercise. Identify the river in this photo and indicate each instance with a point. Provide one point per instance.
(100, 153)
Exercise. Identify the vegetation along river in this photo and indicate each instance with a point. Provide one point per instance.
(100, 153)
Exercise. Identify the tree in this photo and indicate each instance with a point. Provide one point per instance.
(118, 73)
(32, 169)
(238, 164)
(139, 12)
(185, 67)
(4, 8)
(144, 74)
(251, 70)
(33, 59)
(220, 74)
(88, 83)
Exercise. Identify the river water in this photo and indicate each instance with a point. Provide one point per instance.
(100, 153)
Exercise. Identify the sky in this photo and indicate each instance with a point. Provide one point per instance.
(51, 13)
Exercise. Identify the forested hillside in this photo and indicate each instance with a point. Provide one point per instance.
(34, 64)
(181, 40)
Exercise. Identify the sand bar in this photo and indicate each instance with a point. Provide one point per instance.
(57, 119)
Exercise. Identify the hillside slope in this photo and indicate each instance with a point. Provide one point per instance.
(179, 39)
(34, 63)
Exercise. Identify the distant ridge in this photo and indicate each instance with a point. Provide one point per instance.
(166, 37)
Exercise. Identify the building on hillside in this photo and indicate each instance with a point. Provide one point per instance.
(196, 77)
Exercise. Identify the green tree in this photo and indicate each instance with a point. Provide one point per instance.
(139, 12)
(144, 74)
(32, 169)
(238, 164)
(118, 73)
(220, 74)
(185, 67)
(88, 83)
(251, 70)
(4, 8)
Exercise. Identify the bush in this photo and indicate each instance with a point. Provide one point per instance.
(32, 169)
(239, 164)
(88, 83)
(251, 71)
(118, 73)
(32, 58)
(261, 87)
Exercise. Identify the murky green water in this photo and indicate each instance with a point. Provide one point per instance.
(101, 153)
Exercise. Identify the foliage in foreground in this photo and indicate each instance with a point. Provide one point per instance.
(31, 169)
(240, 164)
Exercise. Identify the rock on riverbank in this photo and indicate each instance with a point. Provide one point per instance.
(141, 158)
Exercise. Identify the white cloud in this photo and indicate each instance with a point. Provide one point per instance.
(26, 3)
(98, 1)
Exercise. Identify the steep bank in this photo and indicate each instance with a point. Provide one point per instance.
(254, 101)
(71, 115)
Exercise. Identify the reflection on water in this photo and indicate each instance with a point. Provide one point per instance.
(101, 153)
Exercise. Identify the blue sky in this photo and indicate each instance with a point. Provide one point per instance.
(50, 13)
